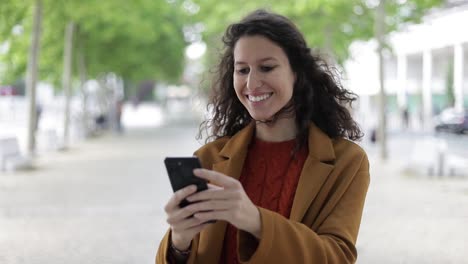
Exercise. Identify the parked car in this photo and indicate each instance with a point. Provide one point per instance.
(452, 120)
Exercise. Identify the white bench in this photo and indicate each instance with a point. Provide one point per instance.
(10, 156)
(427, 156)
(457, 165)
(432, 156)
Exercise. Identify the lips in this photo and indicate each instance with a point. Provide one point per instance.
(259, 98)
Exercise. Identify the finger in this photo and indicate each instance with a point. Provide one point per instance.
(214, 187)
(214, 215)
(187, 223)
(210, 205)
(178, 196)
(189, 210)
(220, 194)
(216, 178)
(180, 215)
(197, 229)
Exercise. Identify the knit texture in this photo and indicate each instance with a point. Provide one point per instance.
(269, 177)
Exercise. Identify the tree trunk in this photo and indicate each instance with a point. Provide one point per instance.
(83, 77)
(328, 46)
(380, 34)
(67, 65)
(32, 78)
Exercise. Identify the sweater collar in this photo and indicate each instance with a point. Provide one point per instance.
(320, 145)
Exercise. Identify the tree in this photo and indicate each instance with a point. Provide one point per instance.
(380, 35)
(449, 87)
(138, 41)
(67, 66)
(329, 25)
(412, 11)
(141, 40)
(32, 77)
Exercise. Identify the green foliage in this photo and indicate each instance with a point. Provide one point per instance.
(12, 13)
(137, 40)
(143, 39)
(329, 25)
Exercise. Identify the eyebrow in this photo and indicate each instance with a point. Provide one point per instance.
(260, 60)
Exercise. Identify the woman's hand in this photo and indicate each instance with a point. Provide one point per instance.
(183, 226)
(228, 201)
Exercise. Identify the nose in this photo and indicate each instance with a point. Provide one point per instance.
(254, 80)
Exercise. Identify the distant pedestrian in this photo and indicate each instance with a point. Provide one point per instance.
(287, 183)
(101, 121)
(373, 137)
(38, 116)
(405, 117)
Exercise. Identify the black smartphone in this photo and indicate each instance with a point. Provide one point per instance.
(180, 171)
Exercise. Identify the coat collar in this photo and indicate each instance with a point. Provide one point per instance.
(234, 152)
(317, 166)
(320, 145)
(316, 169)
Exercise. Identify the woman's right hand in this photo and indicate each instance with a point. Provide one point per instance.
(183, 227)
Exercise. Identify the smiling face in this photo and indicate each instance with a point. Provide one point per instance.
(263, 78)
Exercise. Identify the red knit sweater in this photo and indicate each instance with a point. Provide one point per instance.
(269, 177)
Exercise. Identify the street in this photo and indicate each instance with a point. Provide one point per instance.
(102, 202)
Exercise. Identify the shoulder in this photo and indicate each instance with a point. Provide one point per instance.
(350, 154)
(339, 152)
(209, 153)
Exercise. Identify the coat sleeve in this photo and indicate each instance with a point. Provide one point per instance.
(287, 241)
(162, 254)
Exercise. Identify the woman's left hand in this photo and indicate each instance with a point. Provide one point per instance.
(226, 201)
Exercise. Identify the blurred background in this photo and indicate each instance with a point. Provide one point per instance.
(94, 95)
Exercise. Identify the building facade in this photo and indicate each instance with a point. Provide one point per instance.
(425, 69)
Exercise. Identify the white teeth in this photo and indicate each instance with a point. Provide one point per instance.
(259, 98)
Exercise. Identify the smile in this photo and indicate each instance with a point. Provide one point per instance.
(259, 98)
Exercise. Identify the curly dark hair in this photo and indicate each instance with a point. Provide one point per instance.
(318, 95)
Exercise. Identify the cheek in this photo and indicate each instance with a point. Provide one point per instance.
(237, 83)
(290, 84)
(291, 87)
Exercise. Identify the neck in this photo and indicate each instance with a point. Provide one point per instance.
(282, 129)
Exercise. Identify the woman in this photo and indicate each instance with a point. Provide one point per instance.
(287, 184)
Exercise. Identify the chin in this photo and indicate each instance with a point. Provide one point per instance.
(262, 118)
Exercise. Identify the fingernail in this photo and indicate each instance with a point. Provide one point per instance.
(196, 170)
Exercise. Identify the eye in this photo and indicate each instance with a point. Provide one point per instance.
(243, 71)
(267, 68)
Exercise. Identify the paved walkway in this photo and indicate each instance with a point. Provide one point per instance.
(102, 202)
(414, 219)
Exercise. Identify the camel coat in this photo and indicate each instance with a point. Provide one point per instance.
(326, 211)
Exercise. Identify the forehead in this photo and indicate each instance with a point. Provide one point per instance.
(253, 48)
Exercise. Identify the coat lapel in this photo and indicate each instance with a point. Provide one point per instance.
(234, 153)
(314, 173)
